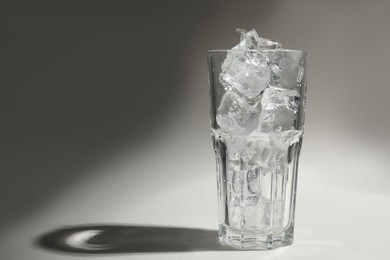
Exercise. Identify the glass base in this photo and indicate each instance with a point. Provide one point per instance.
(253, 241)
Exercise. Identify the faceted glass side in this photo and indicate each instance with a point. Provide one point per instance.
(257, 140)
(257, 201)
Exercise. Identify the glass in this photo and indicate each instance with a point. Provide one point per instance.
(257, 139)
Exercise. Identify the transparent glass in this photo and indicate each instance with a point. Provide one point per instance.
(257, 139)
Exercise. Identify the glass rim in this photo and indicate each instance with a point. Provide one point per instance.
(262, 51)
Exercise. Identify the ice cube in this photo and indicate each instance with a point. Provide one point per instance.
(237, 115)
(251, 40)
(247, 72)
(240, 150)
(279, 110)
(248, 40)
(250, 201)
(286, 70)
(253, 181)
(245, 68)
(262, 152)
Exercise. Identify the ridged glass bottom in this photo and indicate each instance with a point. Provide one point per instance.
(253, 241)
(256, 178)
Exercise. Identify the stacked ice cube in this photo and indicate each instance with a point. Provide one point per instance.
(259, 96)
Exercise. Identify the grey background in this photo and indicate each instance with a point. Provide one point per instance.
(104, 112)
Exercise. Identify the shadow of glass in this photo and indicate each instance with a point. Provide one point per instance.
(130, 239)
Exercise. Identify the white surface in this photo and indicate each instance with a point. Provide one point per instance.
(337, 216)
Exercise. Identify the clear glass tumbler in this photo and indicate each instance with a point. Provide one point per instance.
(257, 137)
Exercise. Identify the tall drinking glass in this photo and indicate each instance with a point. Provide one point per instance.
(257, 139)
